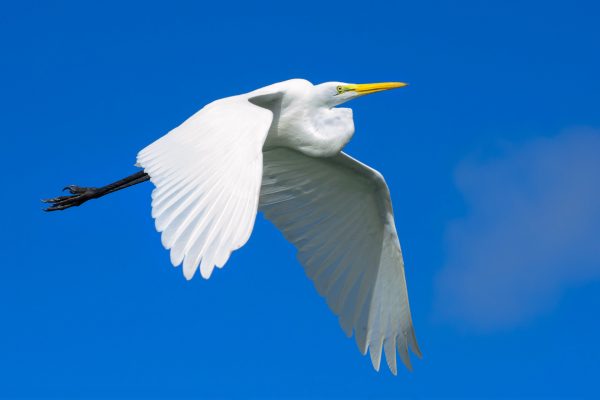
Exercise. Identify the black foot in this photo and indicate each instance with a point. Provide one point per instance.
(79, 195)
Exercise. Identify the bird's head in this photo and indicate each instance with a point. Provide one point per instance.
(335, 93)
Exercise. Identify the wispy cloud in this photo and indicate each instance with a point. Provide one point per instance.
(531, 230)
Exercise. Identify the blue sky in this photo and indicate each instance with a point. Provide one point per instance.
(491, 154)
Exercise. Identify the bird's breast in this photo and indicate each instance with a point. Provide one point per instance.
(318, 133)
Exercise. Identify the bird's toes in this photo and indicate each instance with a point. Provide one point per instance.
(57, 207)
(74, 189)
(79, 195)
(62, 202)
(56, 199)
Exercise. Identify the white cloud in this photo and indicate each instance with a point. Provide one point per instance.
(531, 230)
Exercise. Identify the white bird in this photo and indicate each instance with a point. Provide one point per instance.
(278, 150)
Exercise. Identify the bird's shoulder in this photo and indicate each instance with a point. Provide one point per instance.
(290, 86)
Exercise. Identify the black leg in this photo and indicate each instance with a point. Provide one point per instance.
(80, 195)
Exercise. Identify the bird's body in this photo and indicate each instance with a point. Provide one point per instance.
(278, 150)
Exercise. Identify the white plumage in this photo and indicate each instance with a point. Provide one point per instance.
(278, 150)
(207, 174)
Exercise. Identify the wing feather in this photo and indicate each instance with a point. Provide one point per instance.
(207, 174)
(338, 214)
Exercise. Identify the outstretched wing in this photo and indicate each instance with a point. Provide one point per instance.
(338, 214)
(207, 174)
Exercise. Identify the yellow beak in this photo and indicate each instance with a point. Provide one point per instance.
(367, 88)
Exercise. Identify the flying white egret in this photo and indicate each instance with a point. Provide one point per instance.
(278, 149)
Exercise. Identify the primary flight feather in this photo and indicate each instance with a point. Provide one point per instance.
(278, 150)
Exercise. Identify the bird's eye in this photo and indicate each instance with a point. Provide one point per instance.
(340, 90)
